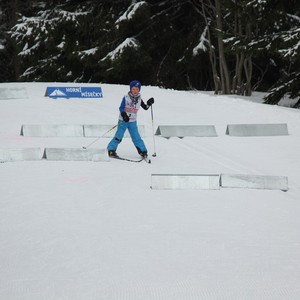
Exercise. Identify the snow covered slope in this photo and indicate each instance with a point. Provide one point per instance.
(96, 230)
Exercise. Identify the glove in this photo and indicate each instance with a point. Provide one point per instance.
(150, 101)
(125, 116)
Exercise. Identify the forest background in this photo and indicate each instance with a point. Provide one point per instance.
(229, 46)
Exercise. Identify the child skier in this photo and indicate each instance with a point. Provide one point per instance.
(129, 107)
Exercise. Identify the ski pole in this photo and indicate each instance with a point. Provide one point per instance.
(100, 137)
(154, 154)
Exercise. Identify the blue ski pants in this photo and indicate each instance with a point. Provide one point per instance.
(134, 134)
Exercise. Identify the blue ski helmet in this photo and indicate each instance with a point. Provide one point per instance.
(135, 83)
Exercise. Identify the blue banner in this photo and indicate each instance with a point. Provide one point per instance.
(74, 92)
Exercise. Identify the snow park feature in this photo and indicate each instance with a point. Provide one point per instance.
(254, 181)
(87, 229)
(13, 93)
(72, 130)
(185, 181)
(168, 131)
(20, 154)
(257, 129)
(75, 154)
(52, 130)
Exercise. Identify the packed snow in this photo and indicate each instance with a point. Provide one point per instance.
(96, 230)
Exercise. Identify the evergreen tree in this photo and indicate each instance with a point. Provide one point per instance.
(286, 49)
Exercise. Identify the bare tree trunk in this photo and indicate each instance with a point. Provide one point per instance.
(248, 66)
(239, 63)
(212, 55)
(161, 66)
(213, 62)
(248, 72)
(240, 83)
(225, 79)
